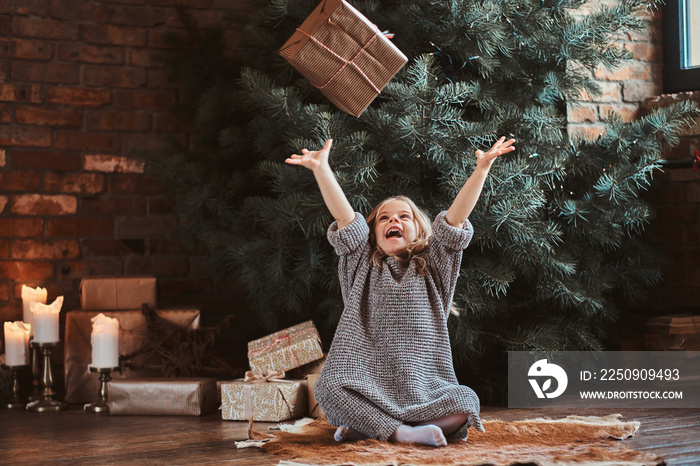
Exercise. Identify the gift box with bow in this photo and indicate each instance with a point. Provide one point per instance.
(264, 396)
(344, 55)
(286, 349)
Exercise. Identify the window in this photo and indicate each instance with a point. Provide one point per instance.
(682, 45)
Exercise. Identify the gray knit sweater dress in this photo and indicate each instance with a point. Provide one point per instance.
(390, 361)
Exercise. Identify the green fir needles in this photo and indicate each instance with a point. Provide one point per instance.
(556, 247)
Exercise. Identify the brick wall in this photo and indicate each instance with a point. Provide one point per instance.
(633, 90)
(626, 88)
(79, 91)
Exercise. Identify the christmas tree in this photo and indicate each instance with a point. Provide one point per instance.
(556, 249)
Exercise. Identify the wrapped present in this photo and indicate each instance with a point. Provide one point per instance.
(268, 399)
(315, 409)
(286, 349)
(83, 386)
(189, 396)
(302, 372)
(115, 293)
(344, 55)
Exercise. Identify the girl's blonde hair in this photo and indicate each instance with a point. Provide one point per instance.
(414, 251)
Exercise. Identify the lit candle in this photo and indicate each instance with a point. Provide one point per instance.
(30, 295)
(17, 343)
(105, 341)
(46, 321)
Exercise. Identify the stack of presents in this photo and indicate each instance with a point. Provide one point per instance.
(265, 394)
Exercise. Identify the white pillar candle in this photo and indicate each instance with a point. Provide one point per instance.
(17, 343)
(105, 341)
(46, 321)
(30, 295)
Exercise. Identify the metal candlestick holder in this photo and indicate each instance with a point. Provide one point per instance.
(36, 372)
(101, 405)
(46, 404)
(15, 402)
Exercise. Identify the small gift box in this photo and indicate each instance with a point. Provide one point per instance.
(310, 372)
(344, 55)
(313, 367)
(266, 398)
(115, 293)
(315, 409)
(190, 396)
(286, 349)
(83, 386)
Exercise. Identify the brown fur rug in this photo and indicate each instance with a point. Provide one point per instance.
(573, 440)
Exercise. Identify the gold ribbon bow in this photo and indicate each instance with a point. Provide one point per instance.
(260, 376)
(257, 376)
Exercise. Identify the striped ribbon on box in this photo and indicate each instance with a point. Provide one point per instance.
(347, 57)
(273, 400)
(286, 349)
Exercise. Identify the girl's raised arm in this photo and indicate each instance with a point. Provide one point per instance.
(467, 197)
(333, 195)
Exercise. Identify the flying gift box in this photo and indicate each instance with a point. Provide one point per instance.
(344, 55)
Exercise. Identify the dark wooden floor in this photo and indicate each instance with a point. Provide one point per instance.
(77, 437)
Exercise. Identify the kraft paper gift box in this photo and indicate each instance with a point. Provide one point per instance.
(302, 372)
(102, 293)
(273, 401)
(315, 409)
(344, 55)
(187, 396)
(310, 372)
(82, 386)
(286, 349)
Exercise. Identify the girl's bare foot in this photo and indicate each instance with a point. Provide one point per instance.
(426, 434)
(347, 433)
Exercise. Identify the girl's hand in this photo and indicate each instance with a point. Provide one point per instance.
(312, 159)
(333, 196)
(485, 159)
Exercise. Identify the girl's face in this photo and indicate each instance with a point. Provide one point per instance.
(395, 227)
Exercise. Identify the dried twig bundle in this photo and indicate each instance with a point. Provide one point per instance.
(178, 352)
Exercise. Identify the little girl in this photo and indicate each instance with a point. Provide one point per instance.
(389, 372)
